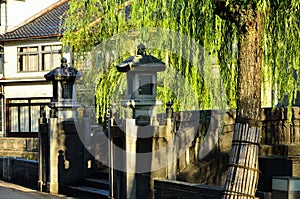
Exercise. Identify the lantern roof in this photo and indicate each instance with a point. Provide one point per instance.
(141, 62)
(63, 72)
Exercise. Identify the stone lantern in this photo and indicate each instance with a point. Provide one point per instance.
(62, 156)
(141, 71)
(144, 141)
(64, 90)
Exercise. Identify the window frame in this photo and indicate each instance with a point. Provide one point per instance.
(52, 52)
(1, 60)
(28, 105)
(55, 49)
(21, 55)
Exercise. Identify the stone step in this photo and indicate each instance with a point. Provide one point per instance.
(97, 183)
(102, 174)
(95, 186)
(86, 192)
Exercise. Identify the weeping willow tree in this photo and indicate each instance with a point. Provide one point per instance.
(256, 43)
(93, 22)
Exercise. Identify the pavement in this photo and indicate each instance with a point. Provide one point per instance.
(13, 191)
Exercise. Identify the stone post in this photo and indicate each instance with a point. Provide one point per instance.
(130, 146)
(171, 152)
(43, 152)
(52, 185)
(131, 139)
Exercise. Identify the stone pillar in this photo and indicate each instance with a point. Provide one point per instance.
(131, 139)
(171, 151)
(170, 137)
(117, 162)
(164, 141)
(85, 127)
(130, 148)
(68, 159)
(52, 185)
(43, 152)
(294, 157)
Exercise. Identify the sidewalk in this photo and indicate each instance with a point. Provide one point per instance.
(13, 191)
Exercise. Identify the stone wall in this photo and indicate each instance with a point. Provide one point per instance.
(167, 189)
(279, 136)
(19, 147)
(280, 145)
(278, 129)
(19, 170)
(210, 169)
(279, 151)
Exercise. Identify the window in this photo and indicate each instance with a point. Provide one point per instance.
(67, 89)
(38, 58)
(1, 101)
(1, 60)
(23, 115)
(50, 57)
(28, 59)
(146, 85)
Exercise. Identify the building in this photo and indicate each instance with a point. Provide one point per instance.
(29, 51)
(8, 17)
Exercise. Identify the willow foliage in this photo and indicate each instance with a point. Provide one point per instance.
(282, 47)
(92, 22)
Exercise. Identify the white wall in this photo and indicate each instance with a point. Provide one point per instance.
(11, 61)
(19, 11)
(29, 90)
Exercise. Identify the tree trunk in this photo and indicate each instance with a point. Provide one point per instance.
(242, 177)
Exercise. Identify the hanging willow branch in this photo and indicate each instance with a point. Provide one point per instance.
(202, 21)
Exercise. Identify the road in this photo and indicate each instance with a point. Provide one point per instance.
(13, 191)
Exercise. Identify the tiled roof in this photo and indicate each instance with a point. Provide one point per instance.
(44, 24)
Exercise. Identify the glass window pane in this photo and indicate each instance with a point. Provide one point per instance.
(1, 62)
(24, 119)
(56, 60)
(1, 100)
(21, 49)
(21, 62)
(14, 119)
(18, 101)
(40, 100)
(35, 114)
(28, 63)
(46, 48)
(56, 48)
(46, 61)
(33, 49)
(33, 63)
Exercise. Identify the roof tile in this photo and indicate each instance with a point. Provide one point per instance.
(46, 25)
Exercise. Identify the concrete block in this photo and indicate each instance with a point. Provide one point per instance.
(285, 187)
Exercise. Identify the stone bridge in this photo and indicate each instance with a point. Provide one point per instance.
(280, 148)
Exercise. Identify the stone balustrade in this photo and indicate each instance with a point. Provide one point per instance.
(278, 129)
